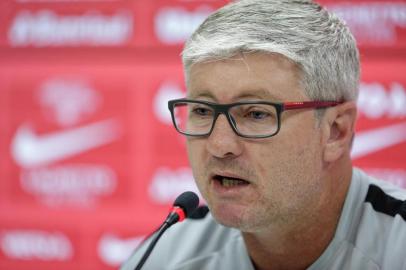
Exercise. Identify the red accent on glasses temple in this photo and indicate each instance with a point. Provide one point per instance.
(309, 104)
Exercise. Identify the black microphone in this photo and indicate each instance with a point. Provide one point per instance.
(183, 206)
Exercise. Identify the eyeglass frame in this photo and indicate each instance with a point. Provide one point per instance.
(225, 108)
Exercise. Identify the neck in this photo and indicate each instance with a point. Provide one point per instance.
(298, 245)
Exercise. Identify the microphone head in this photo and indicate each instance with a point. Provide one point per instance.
(188, 201)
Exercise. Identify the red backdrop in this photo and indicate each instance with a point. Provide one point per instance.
(89, 161)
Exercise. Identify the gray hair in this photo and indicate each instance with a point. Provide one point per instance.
(318, 42)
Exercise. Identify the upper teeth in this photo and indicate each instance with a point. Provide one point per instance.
(227, 182)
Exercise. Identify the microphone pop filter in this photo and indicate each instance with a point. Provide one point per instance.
(188, 201)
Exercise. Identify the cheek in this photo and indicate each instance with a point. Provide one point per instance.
(286, 165)
(192, 152)
(195, 151)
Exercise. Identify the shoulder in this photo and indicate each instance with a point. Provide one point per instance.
(197, 237)
(386, 201)
(381, 233)
(371, 232)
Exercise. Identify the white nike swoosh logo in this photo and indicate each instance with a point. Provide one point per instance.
(30, 150)
(114, 250)
(371, 141)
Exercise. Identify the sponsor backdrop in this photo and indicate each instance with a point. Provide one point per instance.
(89, 161)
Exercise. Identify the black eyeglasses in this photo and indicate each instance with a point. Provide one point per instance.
(250, 119)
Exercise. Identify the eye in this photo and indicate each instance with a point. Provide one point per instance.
(201, 111)
(258, 115)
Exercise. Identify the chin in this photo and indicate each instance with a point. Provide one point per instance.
(231, 222)
(245, 220)
(232, 217)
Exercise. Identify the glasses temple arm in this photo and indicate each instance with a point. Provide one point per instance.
(309, 104)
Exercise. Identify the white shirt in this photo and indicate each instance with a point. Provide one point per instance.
(371, 234)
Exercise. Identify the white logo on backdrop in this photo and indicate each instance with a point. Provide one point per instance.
(76, 183)
(373, 22)
(371, 141)
(30, 150)
(114, 250)
(46, 28)
(167, 184)
(377, 102)
(70, 101)
(175, 25)
(36, 245)
(166, 91)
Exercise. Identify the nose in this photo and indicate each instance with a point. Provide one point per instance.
(223, 142)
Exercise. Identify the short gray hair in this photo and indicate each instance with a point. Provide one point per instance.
(318, 42)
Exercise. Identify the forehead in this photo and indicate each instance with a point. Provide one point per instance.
(246, 76)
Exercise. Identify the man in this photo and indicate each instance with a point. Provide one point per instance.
(269, 119)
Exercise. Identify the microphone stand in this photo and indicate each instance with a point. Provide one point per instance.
(172, 218)
(151, 246)
(184, 204)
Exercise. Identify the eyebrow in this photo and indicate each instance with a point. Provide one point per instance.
(260, 94)
(201, 94)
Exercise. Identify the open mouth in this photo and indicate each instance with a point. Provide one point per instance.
(226, 181)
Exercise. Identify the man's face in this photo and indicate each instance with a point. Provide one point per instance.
(280, 176)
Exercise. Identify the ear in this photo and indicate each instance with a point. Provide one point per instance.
(338, 125)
